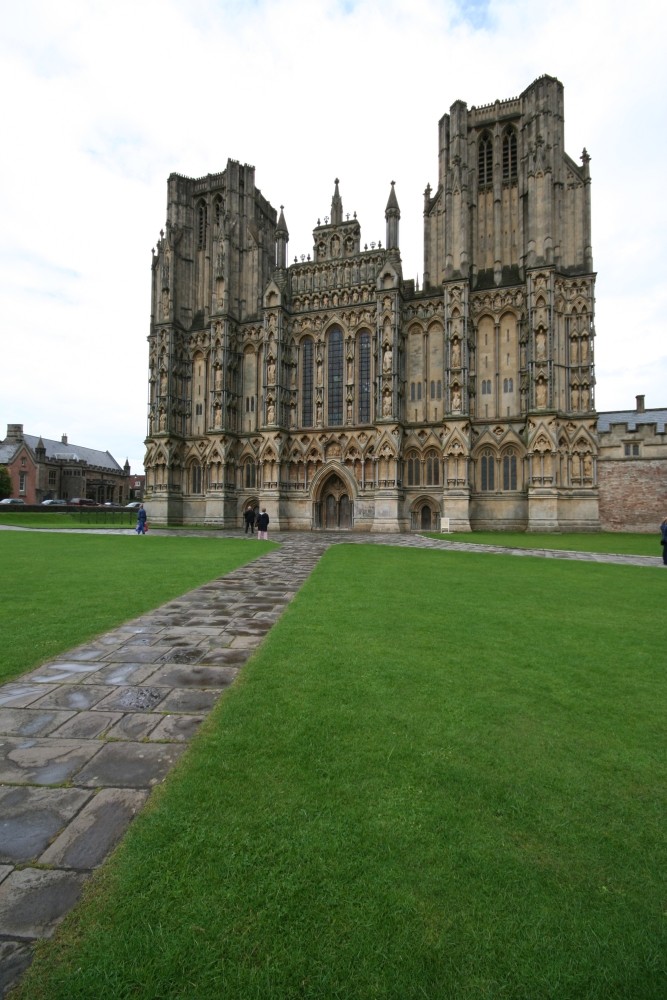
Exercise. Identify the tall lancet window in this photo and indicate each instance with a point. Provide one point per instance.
(335, 376)
(509, 155)
(485, 159)
(307, 382)
(364, 392)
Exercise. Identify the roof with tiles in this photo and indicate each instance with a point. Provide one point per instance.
(58, 450)
(633, 419)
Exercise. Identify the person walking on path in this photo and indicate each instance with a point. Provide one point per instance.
(663, 540)
(262, 525)
(249, 518)
(141, 520)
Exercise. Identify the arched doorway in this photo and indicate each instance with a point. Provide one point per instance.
(333, 510)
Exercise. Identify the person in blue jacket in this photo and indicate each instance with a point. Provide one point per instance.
(663, 540)
(141, 520)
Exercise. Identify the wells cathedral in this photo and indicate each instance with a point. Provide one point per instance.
(339, 395)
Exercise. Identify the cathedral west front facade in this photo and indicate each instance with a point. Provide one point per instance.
(339, 395)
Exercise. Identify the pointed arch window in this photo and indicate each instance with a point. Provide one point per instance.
(509, 155)
(307, 382)
(485, 159)
(195, 478)
(432, 469)
(202, 222)
(487, 471)
(249, 477)
(335, 376)
(509, 470)
(364, 390)
(414, 469)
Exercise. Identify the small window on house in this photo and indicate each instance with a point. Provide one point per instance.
(631, 450)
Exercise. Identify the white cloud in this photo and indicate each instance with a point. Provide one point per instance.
(104, 100)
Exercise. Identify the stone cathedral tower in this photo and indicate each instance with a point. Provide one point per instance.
(338, 394)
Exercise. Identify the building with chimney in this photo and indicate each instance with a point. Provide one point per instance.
(42, 469)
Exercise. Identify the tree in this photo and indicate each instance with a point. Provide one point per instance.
(5, 482)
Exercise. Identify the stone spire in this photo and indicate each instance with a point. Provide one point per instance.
(282, 238)
(392, 214)
(336, 207)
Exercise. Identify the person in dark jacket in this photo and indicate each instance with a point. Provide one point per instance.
(249, 518)
(663, 541)
(262, 525)
(141, 520)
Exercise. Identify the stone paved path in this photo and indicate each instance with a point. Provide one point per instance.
(84, 737)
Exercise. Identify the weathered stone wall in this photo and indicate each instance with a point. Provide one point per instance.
(633, 494)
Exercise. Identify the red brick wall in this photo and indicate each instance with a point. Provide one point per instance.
(633, 495)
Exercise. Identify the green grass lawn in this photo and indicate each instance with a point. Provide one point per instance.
(441, 776)
(619, 543)
(58, 590)
(86, 517)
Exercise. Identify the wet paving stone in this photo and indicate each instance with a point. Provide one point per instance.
(131, 699)
(32, 817)
(43, 761)
(129, 765)
(31, 722)
(78, 697)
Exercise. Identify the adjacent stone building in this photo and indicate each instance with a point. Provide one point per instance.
(339, 394)
(632, 468)
(42, 469)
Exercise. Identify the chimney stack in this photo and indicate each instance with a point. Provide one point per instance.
(640, 404)
(63, 439)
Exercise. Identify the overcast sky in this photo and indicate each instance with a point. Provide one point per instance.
(103, 99)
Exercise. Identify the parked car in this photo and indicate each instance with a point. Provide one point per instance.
(12, 500)
(133, 503)
(54, 503)
(82, 502)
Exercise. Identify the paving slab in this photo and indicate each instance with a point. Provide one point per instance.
(32, 817)
(31, 722)
(129, 765)
(33, 900)
(96, 829)
(43, 761)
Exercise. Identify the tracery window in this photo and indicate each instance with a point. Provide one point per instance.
(364, 390)
(487, 470)
(432, 471)
(485, 159)
(509, 155)
(307, 382)
(509, 471)
(335, 376)
(414, 469)
(250, 474)
(202, 221)
(508, 385)
(195, 478)
(486, 386)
